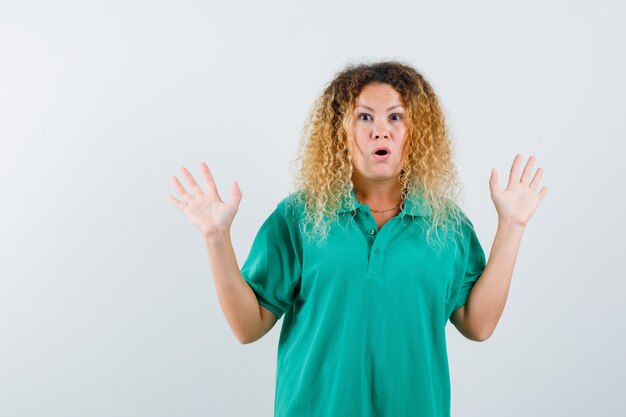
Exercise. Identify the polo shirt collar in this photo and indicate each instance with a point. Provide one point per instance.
(413, 206)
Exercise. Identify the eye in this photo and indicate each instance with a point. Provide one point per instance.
(397, 116)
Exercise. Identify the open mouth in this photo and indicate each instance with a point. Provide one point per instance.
(381, 153)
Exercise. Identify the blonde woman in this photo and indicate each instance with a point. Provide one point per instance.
(370, 256)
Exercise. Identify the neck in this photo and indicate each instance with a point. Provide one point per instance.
(379, 195)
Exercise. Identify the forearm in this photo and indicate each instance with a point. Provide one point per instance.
(489, 294)
(237, 299)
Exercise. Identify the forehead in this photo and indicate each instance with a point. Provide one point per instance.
(375, 94)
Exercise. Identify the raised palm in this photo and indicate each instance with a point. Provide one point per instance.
(207, 211)
(520, 199)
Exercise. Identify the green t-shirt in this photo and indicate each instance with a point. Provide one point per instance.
(364, 322)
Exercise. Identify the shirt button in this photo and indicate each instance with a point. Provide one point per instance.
(372, 231)
(376, 251)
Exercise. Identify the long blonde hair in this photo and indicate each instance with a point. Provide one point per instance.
(324, 177)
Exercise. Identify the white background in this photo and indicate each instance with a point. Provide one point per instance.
(107, 305)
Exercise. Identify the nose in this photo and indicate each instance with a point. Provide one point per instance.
(380, 130)
(380, 134)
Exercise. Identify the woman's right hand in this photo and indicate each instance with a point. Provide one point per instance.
(207, 211)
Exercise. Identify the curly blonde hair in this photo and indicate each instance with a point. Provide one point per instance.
(324, 179)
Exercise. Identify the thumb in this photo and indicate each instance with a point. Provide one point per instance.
(236, 194)
(493, 182)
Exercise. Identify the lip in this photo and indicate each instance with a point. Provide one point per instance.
(381, 157)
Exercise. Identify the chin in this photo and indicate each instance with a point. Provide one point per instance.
(378, 172)
(381, 175)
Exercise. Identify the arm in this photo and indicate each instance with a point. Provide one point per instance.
(515, 206)
(213, 217)
(477, 319)
(248, 320)
(268, 320)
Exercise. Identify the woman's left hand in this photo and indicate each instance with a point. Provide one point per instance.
(518, 201)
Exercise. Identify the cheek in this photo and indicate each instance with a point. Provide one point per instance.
(357, 147)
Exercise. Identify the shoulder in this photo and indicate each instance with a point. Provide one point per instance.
(292, 204)
(460, 226)
(291, 208)
(462, 219)
(471, 247)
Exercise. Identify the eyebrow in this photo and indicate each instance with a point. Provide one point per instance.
(369, 108)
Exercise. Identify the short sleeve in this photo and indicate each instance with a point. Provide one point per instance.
(272, 268)
(472, 263)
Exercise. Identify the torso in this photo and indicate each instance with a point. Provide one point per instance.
(372, 280)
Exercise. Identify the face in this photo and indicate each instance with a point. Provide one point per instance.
(378, 122)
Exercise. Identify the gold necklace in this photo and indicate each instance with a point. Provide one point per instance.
(381, 211)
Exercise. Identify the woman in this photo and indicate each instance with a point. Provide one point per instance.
(370, 257)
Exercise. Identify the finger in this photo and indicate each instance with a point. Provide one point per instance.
(191, 180)
(528, 169)
(514, 173)
(535, 182)
(208, 178)
(181, 189)
(543, 192)
(493, 182)
(236, 194)
(176, 202)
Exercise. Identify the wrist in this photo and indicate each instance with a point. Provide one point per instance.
(220, 236)
(510, 224)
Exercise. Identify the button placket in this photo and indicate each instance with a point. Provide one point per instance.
(376, 259)
(377, 240)
(375, 255)
(375, 267)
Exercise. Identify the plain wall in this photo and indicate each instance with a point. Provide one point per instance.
(107, 305)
